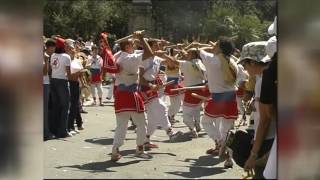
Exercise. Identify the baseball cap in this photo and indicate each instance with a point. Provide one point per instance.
(50, 42)
(70, 43)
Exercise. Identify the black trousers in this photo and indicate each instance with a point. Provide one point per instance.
(60, 105)
(74, 114)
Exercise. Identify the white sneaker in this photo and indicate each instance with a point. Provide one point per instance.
(143, 154)
(228, 163)
(174, 135)
(72, 132)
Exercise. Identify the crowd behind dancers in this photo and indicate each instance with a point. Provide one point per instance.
(226, 83)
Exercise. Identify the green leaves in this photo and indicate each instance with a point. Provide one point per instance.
(238, 18)
(173, 20)
(85, 18)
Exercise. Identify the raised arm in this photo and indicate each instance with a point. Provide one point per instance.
(147, 49)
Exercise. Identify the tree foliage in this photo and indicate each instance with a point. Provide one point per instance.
(243, 20)
(174, 20)
(85, 18)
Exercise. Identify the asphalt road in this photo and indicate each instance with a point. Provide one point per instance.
(87, 155)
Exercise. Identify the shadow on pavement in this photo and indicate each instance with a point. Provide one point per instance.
(103, 141)
(126, 152)
(198, 167)
(206, 160)
(202, 134)
(100, 166)
(197, 172)
(170, 154)
(182, 138)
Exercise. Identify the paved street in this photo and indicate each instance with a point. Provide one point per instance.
(87, 155)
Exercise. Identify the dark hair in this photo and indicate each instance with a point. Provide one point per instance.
(50, 43)
(59, 50)
(195, 54)
(250, 61)
(226, 45)
(86, 51)
(151, 42)
(171, 51)
(123, 45)
(94, 47)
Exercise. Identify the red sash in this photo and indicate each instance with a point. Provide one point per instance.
(149, 95)
(128, 101)
(228, 110)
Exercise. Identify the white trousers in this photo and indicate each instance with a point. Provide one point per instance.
(175, 104)
(161, 91)
(157, 115)
(110, 91)
(240, 105)
(122, 119)
(97, 86)
(217, 128)
(191, 115)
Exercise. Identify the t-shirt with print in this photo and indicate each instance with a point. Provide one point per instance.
(214, 73)
(58, 63)
(96, 63)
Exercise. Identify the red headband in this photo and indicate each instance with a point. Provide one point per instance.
(60, 43)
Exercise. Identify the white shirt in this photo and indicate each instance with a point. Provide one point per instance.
(270, 171)
(129, 68)
(95, 62)
(76, 66)
(256, 114)
(151, 67)
(242, 74)
(214, 73)
(192, 71)
(46, 77)
(116, 75)
(58, 63)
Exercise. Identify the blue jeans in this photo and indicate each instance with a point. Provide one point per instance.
(60, 106)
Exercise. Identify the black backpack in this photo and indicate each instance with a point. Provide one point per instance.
(240, 143)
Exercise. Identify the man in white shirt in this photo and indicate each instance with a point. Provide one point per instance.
(50, 46)
(60, 64)
(128, 102)
(252, 59)
(157, 112)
